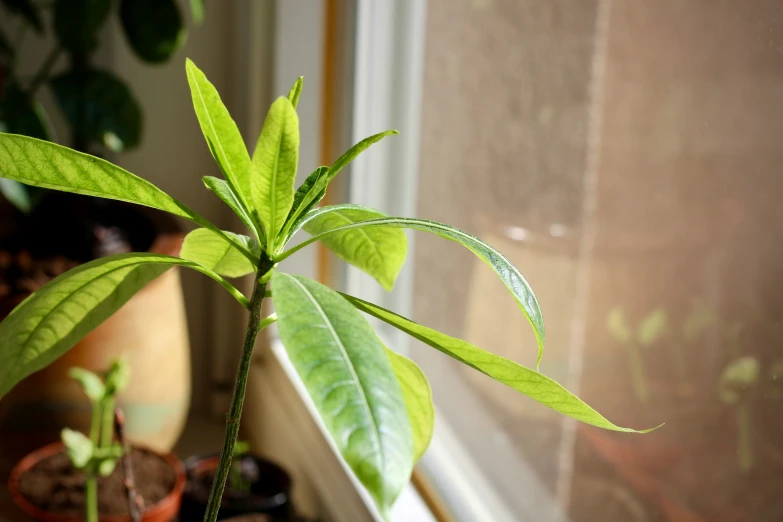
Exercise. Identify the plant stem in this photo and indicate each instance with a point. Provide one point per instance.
(135, 502)
(95, 424)
(107, 430)
(744, 438)
(637, 372)
(237, 401)
(91, 498)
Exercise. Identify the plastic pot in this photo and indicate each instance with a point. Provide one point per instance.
(163, 511)
(269, 495)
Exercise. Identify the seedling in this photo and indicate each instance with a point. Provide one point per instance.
(97, 454)
(375, 403)
(738, 383)
(238, 477)
(652, 328)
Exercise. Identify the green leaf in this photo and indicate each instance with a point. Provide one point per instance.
(223, 190)
(78, 447)
(378, 251)
(418, 400)
(618, 326)
(507, 272)
(653, 327)
(296, 91)
(55, 317)
(117, 377)
(154, 28)
(302, 204)
(212, 251)
(529, 382)
(78, 22)
(274, 168)
(91, 384)
(111, 116)
(106, 466)
(222, 135)
(48, 165)
(27, 10)
(320, 180)
(197, 11)
(344, 367)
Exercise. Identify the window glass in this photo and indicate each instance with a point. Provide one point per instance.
(626, 156)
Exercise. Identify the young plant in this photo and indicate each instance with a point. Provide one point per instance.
(738, 384)
(97, 454)
(238, 476)
(650, 330)
(375, 403)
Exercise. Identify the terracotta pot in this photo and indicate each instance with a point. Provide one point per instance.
(163, 511)
(274, 482)
(151, 330)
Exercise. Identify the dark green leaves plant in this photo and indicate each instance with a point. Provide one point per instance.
(376, 404)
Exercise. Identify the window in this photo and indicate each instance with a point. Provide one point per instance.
(625, 155)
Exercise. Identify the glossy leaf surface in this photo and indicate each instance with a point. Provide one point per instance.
(274, 168)
(212, 251)
(58, 315)
(418, 399)
(380, 252)
(303, 203)
(222, 190)
(507, 272)
(347, 374)
(154, 28)
(529, 382)
(221, 132)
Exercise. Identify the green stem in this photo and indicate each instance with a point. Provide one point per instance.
(744, 438)
(237, 401)
(637, 372)
(91, 497)
(95, 424)
(107, 430)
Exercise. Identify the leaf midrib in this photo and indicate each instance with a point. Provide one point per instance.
(365, 403)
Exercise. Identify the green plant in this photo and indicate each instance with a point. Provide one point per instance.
(654, 326)
(98, 106)
(236, 477)
(97, 454)
(375, 403)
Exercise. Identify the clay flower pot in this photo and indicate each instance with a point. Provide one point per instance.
(269, 494)
(151, 330)
(162, 511)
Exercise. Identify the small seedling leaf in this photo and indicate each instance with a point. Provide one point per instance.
(79, 448)
(296, 91)
(91, 384)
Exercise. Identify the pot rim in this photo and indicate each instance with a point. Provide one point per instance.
(200, 464)
(170, 502)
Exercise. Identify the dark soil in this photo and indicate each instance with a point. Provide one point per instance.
(53, 485)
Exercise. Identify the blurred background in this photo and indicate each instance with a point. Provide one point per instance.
(622, 153)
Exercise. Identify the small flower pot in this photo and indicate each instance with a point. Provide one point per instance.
(162, 511)
(269, 494)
